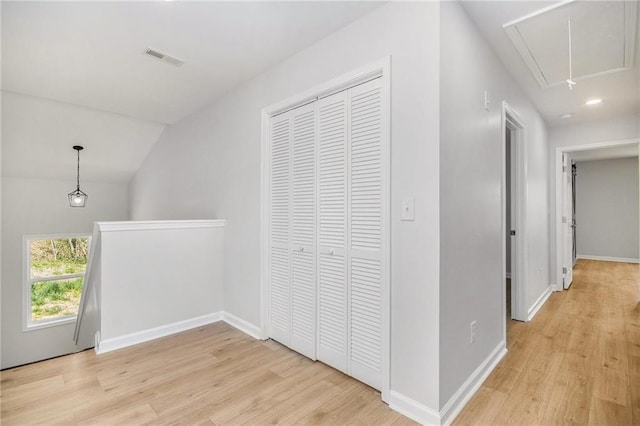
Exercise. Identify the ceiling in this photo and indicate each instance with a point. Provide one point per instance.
(622, 151)
(601, 35)
(79, 71)
(92, 53)
(76, 72)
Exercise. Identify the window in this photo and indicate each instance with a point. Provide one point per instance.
(55, 268)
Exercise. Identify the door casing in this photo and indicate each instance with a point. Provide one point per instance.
(561, 237)
(567, 220)
(512, 122)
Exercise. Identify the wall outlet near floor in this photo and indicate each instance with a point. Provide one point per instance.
(472, 337)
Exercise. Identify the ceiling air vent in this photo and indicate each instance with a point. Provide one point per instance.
(164, 57)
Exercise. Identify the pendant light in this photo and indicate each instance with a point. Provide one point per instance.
(78, 198)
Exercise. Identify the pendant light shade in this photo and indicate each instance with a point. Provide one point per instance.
(78, 198)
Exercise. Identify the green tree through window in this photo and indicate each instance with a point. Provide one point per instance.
(56, 274)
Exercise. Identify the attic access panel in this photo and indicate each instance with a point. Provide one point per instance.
(603, 35)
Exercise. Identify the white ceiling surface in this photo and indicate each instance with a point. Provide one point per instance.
(622, 151)
(75, 73)
(38, 136)
(594, 29)
(91, 53)
(600, 33)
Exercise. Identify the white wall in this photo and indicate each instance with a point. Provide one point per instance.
(471, 158)
(152, 278)
(621, 127)
(39, 134)
(34, 206)
(607, 208)
(618, 128)
(208, 166)
(1, 208)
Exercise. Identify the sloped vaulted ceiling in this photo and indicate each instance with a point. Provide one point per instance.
(76, 72)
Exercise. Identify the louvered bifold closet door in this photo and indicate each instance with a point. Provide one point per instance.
(366, 232)
(332, 217)
(280, 235)
(303, 285)
(327, 241)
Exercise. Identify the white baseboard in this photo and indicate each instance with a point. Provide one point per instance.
(413, 409)
(242, 325)
(108, 345)
(427, 416)
(533, 310)
(608, 258)
(556, 287)
(457, 402)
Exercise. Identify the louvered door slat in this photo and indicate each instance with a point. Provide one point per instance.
(332, 216)
(280, 256)
(365, 233)
(303, 219)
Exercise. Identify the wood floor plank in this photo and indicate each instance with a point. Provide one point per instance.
(131, 415)
(212, 375)
(577, 362)
(609, 413)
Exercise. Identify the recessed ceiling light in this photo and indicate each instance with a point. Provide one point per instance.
(566, 115)
(594, 101)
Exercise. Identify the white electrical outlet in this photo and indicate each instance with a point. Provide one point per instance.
(473, 332)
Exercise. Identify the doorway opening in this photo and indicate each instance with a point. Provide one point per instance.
(514, 199)
(566, 237)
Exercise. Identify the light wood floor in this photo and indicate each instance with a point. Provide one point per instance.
(577, 362)
(210, 375)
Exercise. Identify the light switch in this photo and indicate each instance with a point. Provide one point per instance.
(408, 208)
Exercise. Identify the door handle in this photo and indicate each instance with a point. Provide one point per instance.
(512, 232)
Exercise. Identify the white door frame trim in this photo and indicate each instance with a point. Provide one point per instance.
(381, 69)
(559, 151)
(512, 120)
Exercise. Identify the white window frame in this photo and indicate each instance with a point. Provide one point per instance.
(27, 323)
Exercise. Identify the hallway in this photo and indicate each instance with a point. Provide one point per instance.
(577, 362)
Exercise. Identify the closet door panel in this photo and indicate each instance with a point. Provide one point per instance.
(280, 205)
(332, 321)
(332, 216)
(327, 271)
(366, 232)
(303, 220)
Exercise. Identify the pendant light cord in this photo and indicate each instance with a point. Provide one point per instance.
(570, 53)
(570, 80)
(78, 172)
